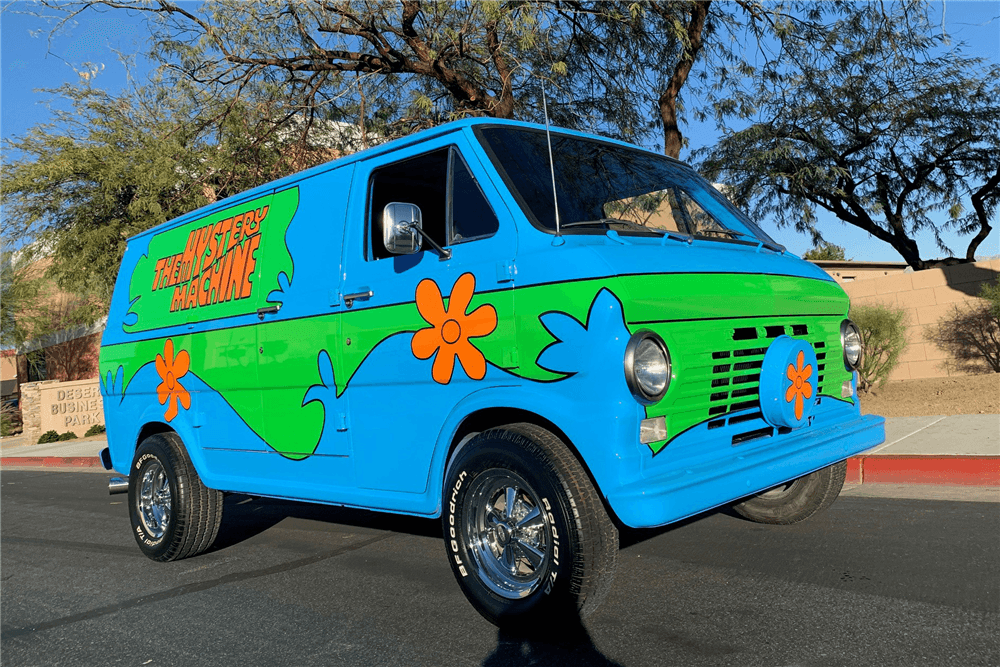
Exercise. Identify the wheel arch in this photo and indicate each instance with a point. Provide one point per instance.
(486, 414)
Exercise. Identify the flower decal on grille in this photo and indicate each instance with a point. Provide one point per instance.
(801, 389)
(171, 369)
(452, 328)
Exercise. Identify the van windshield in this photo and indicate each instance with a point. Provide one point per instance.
(603, 186)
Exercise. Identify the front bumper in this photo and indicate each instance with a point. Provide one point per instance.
(676, 492)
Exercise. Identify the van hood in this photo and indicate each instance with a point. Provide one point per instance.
(708, 280)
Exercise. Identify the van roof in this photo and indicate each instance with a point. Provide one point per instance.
(390, 146)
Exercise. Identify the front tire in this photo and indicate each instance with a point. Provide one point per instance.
(797, 500)
(173, 514)
(526, 534)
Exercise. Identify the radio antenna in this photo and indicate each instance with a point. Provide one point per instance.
(552, 167)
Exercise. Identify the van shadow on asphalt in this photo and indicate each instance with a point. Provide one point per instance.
(561, 639)
(245, 517)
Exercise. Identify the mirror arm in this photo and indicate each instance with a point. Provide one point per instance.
(445, 252)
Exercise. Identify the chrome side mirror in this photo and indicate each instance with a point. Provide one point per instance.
(401, 227)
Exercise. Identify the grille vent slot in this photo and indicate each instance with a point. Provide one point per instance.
(743, 371)
(757, 434)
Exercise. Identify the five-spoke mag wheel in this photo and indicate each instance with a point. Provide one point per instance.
(506, 533)
(154, 500)
(528, 537)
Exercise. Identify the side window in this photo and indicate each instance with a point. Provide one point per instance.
(472, 216)
(422, 181)
(464, 216)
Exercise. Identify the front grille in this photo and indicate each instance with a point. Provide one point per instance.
(718, 370)
(746, 385)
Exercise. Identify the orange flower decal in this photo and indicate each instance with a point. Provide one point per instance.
(172, 369)
(801, 388)
(451, 328)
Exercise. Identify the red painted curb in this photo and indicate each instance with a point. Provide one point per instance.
(924, 469)
(887, 469)
(52, 461)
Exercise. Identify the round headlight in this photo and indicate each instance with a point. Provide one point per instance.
(647, 367)
(850, 339)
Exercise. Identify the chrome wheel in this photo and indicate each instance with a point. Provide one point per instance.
(154, 500)
(506, 533)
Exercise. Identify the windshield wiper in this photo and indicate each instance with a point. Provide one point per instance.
(733, 232)
(606, 223)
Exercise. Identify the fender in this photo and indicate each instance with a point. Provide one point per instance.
(608, 445)
(124, 449)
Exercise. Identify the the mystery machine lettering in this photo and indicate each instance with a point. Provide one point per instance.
(212, 262)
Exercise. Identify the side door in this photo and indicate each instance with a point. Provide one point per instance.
(421, 331)
(303, 411)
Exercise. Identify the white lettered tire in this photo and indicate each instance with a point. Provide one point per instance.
(526, 534)
(173, 514)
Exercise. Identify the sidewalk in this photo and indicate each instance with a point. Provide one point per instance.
(957, 450)
(17, 452)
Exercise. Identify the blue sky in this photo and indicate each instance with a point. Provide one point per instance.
(28, 62)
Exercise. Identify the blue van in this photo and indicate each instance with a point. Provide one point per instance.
(424, 328)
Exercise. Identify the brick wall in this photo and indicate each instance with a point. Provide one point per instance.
(926, 296)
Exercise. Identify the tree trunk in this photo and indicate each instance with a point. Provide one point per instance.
(672, 137)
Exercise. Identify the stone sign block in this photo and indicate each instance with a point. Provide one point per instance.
(71, 406)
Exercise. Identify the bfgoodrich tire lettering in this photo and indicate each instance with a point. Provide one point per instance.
(525, 532)
(173, 514)
(798, 500)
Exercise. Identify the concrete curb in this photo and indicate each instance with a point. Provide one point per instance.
(924, 469)
(883, 469)
(51, 462)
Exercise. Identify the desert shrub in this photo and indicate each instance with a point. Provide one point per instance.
(970, 333)
(68, 435)
(48, 436)
(96, 429)
(883, 339)
(10, 420)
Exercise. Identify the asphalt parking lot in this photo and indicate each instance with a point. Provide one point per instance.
(873, 581)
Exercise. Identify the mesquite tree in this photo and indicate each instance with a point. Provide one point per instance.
(878, 124)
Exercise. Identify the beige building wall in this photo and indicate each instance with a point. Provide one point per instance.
(926, 296)
(848, 271)
(8, 367)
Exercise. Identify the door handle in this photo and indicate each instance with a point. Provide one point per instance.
(267, 310)
(365, 293)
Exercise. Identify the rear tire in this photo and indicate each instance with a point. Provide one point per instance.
(173, 514)
(526, 533)
(798, 500)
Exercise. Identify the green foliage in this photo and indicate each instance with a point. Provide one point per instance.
(390, 68)
(970, 333)
(883, 340)
(991, 294)
(110, 167)
(10, 420)
(19, 289)
(47, 437)
(828, 251)
(878, 124)
(96, 429)
(68, 435)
